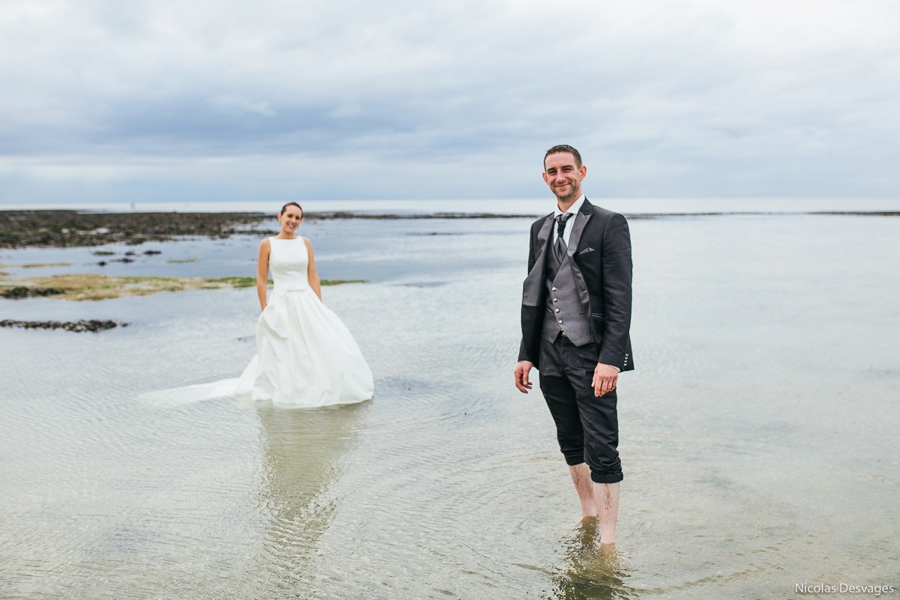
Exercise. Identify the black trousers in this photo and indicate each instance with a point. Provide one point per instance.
(587, 427)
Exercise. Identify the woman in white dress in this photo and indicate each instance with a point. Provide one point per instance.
(305, 356)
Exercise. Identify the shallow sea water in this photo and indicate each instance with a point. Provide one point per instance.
(758, 433)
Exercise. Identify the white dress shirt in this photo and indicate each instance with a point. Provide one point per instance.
(570, 223)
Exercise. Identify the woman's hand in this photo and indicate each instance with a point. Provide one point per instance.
(262, 271)
(311, 274)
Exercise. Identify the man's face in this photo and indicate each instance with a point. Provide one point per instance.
(563, 175)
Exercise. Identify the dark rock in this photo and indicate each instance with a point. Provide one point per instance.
(23, 228)
(15, 293)
(91, 325)
(149, 252)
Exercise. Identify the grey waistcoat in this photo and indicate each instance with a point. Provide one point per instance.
(565, 311)
(571, 290)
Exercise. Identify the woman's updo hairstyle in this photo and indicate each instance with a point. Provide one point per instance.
(283, 208)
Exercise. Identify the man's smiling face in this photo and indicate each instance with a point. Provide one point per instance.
(564, 175)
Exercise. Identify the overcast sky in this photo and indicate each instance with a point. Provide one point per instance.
(137, 100)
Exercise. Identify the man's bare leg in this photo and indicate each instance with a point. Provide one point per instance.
(581, 477)
(607, 495)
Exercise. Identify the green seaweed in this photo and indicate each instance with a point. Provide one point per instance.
(341, 281)
(236, 282)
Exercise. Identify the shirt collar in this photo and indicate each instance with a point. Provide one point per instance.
(573, 210)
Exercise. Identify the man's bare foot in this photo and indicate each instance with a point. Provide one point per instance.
(607, 499)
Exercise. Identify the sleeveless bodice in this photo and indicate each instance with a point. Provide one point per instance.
(288, 262)
(305, 356)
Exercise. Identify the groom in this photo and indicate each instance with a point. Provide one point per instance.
(576, 313)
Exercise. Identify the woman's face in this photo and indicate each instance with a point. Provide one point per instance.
(290, 219)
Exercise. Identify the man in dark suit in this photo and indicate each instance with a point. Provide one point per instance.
(576, 316)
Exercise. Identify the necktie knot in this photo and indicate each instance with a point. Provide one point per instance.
(561, 224)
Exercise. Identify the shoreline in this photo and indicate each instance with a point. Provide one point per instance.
(72, 228)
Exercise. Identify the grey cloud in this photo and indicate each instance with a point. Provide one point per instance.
(666, 98)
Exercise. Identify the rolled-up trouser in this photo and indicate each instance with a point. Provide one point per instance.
(587, 427)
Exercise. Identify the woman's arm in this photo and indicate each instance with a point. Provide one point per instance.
(311, 272)
(262, 271)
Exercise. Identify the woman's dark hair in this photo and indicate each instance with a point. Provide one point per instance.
(291, 204)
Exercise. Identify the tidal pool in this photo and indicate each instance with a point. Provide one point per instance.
(759, 430)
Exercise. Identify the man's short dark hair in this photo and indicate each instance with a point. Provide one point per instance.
(564, 148)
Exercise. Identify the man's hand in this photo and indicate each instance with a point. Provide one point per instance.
(522, 370)
(605, 378)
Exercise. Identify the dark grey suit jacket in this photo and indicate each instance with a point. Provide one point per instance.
(600, 245)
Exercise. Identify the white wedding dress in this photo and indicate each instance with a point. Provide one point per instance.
(305, 356)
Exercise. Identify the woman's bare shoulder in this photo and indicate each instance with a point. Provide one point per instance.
(265, 243)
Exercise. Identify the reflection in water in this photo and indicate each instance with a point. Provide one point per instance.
(305, 452)
(592, 570)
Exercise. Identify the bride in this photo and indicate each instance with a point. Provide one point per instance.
(305, 356)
